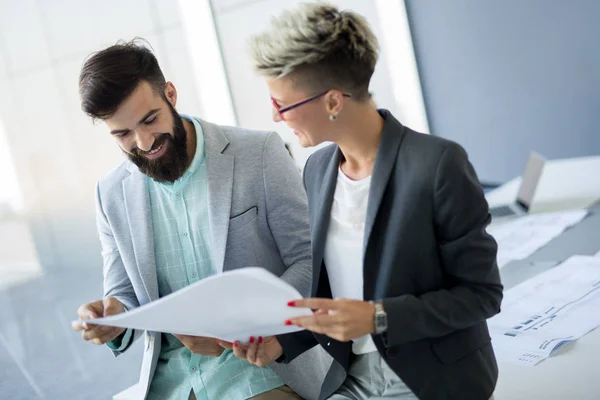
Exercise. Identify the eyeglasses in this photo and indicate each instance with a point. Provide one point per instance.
(282, 110)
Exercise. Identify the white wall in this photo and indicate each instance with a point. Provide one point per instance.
(58, 154)
(238, 20)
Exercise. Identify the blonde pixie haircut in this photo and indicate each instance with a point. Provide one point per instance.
(320, 47)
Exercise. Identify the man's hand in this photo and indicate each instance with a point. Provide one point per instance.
(260, 352)
(99, 334)
(205, 346)
(340, 319)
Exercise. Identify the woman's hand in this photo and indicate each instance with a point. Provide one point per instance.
(340, 319)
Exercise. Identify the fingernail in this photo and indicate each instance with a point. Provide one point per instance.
(252, 340)
(288, 322)
(85, 325)
(260, 339)
(291, 303)
(235, 344)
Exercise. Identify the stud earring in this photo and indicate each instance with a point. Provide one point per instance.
(332, 117)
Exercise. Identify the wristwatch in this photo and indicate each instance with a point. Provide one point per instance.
(381, 323)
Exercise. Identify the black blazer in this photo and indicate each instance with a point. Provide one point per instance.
(426, 254)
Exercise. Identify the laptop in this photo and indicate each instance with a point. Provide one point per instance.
(529, 183)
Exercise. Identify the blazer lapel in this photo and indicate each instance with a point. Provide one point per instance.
(385, 161)
(220, 184)
(320, 223)
(139, 216)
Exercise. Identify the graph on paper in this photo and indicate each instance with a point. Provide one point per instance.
(545, 313)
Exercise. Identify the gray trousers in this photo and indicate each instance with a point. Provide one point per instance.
(371, 378)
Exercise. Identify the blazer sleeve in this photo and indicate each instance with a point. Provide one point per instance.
(116, 280)
(295, 344)
(287, 213)
(468, 256)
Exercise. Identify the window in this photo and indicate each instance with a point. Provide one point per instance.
(10, 195)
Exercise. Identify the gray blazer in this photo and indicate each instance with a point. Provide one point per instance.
(426, 254)
(257, 215)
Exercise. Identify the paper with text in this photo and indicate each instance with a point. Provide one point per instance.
(544, 313)
(521, 237)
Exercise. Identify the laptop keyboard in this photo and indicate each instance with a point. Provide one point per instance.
(503, 211)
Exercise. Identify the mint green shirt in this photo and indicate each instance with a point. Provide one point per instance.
(182, 246)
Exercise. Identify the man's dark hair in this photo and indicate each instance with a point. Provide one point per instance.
(109, 76)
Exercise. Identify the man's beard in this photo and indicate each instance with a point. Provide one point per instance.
(173, 163)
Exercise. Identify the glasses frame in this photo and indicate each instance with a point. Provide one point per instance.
(282, 110)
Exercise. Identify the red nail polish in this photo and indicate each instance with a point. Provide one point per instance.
(235, 344)
(288, 322)
(251, 340)
(260, 339)
(291, 303)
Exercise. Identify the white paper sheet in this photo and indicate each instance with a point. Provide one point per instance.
(231, 306)
(519, 238)
(541, 315)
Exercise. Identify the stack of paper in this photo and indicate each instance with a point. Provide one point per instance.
(234, 305)
(548, 311)
(520, 237)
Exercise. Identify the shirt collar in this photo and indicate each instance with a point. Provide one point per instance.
(199, 154)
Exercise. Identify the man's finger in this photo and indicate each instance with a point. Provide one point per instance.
(225, 345)
(112, 306)
(109, 335)
(85, 312)
(96, 331)
(184, 339)
(78, 326)
(106, 337)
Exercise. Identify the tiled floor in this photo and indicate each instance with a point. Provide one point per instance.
(41, 357)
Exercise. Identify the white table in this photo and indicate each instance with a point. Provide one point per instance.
(573, 372)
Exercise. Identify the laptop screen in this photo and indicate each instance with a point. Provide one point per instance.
(531, 178)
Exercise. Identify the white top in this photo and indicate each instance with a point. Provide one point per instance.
(344, 246)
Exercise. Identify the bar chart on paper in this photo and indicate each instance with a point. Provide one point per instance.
(545, 313)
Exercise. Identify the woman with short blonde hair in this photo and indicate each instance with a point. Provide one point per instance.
(404, 272)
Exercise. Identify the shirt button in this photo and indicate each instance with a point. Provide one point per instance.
(177, 194)
(185, 234)
(193, 369)
(193, 274)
